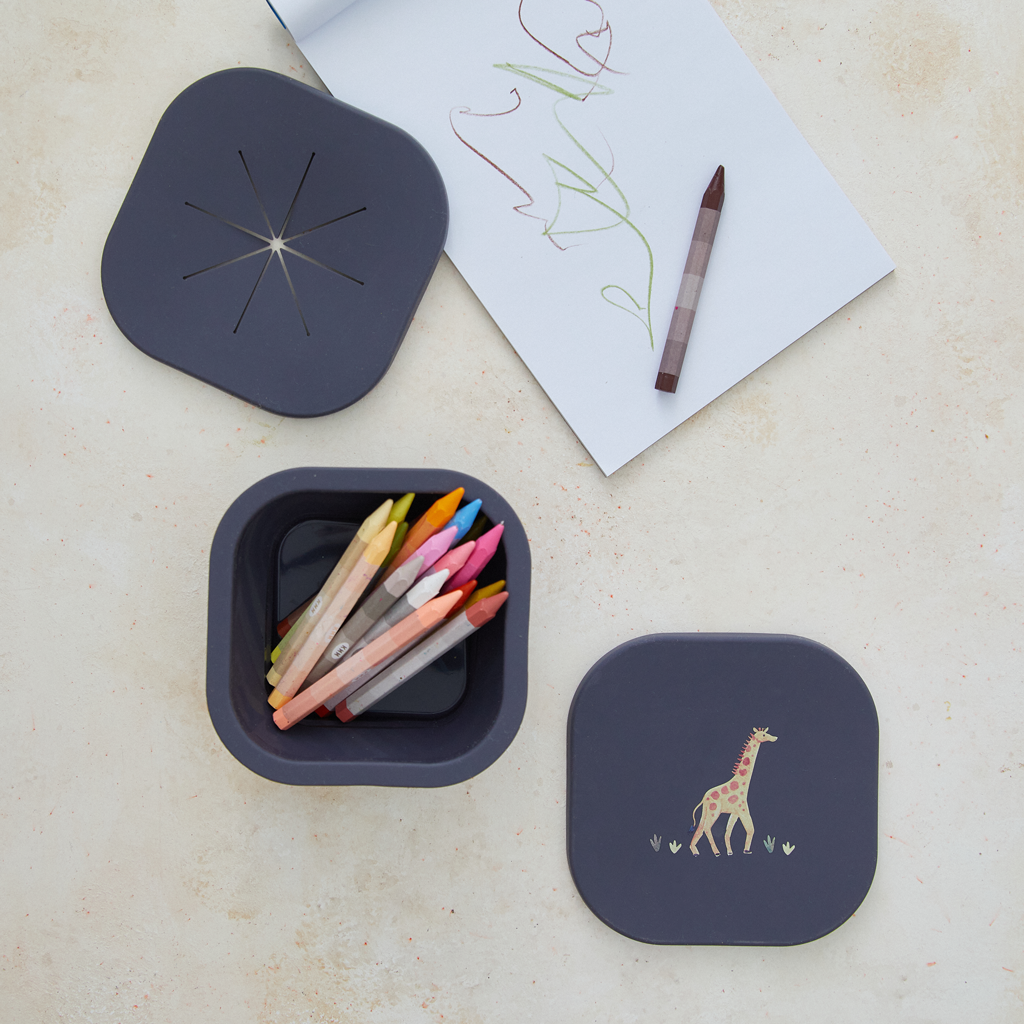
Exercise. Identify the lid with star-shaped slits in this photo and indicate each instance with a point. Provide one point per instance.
(275, 242)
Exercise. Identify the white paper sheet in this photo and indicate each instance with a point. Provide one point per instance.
(669, 97)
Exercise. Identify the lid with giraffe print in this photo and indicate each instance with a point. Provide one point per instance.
(722, 789)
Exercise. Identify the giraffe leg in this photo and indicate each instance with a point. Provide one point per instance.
(728, 834)
(713, 817)
(699, 832)
(748, 824)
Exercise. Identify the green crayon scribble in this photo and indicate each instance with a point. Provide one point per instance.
(585, 180)
(579, 184)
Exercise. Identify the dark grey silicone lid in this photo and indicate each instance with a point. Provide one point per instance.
(239, 158)
(661, 721)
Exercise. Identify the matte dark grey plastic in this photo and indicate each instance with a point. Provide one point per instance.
(419, 747)
(245, 158)
(664, 726)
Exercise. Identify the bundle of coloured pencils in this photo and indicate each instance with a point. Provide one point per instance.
(343, 654)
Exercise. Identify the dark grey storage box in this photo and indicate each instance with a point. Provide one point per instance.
(397, 750)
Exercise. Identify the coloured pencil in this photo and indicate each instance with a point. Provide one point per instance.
(465, 591)
(432, 549)
(330, 621)
(406, 632)
(399, 511)
(464, 518)
(396, 544)
(289, 620)
(482, 554)
(419, 657)
(434, 519)
(489, 591)
(460, 595)
(452, 560)
(382, 598)
(425, 590)
(690, 287)
(401, 507)
(296, 637)
(480, 526)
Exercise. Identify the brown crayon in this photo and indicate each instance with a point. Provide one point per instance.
(690, 287)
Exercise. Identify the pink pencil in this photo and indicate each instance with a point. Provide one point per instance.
(482, 554)
(435, 547)
(453, 561)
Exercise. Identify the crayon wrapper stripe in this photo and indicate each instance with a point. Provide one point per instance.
(705, 228)
(679, 330)
(689, 291)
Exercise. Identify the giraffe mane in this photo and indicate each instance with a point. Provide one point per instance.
(739, 760)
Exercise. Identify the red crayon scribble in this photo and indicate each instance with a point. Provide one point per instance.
(604, 27)
(521, 207)
(570, 182)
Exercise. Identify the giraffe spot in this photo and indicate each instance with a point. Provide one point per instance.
(746, 760)
(743, 771)
(733, 798)
(714, 796)
(714, 807)
(734, 785)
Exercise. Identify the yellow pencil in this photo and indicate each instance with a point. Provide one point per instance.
(296, 636)
(333, 617)
(483, 593)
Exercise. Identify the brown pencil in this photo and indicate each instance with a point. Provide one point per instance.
(693, 280)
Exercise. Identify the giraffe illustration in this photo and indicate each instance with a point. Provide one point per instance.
(731, 797)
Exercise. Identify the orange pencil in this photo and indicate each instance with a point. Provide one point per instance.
(401, 635)
(459, 593)
(332, 619)
(426, 526)
(462, 593)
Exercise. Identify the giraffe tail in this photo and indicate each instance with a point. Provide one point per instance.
(693, 816)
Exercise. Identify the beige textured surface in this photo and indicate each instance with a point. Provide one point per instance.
(863, 489)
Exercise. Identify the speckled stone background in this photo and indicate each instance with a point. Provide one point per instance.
(863, 489)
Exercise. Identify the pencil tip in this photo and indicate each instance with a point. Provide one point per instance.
(715, 191)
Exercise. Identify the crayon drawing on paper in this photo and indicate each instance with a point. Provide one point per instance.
(575, 139)
(587, 202)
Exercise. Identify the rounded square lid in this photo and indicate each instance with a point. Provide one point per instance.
(665, 734)
(275, 242)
